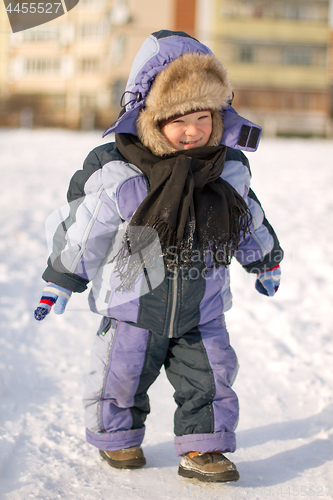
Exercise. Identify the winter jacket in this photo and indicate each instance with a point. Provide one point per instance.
(104, 195)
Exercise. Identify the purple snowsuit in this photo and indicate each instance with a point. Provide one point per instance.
(180, 323)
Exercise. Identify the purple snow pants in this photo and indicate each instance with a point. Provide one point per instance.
(201, 365)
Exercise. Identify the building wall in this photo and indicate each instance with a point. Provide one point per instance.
(4, 32)
(185, 16)
(204, 22)
(277, 57)
(73, 70)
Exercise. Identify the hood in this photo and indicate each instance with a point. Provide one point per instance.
(155, 54)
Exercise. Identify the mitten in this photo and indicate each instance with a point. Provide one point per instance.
(268, 282)
(52, 294)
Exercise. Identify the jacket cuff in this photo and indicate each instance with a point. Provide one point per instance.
(66, 280)
(265, 264)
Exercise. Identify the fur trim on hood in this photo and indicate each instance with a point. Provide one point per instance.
(192, 82)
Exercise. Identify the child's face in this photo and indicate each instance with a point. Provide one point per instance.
(189, 131)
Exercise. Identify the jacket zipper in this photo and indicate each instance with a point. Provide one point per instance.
(174, 292)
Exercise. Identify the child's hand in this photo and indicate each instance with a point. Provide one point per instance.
(268, 281)
(52, 294)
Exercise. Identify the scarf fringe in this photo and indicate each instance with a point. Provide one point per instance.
(130, 261)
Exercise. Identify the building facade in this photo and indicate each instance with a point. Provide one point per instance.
(72, 71)
(277, 55)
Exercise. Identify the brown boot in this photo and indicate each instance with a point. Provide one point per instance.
(209, 467)
(127, 458)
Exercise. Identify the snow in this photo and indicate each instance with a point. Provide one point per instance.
(284, 344)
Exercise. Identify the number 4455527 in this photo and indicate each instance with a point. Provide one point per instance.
(32, 8)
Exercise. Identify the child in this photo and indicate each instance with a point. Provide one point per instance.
(154, 221)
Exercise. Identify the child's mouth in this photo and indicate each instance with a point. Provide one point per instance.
(189, 143)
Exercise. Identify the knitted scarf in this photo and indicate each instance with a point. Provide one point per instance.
(186, 195)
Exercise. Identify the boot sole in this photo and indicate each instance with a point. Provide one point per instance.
(133, 463)
(210, 477)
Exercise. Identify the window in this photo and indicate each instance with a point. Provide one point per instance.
(291, 11)
(92, 30)
(89, 65)
(297, 56)
(38, 35)
(246, 54)
(92, 4)
(310, 10)
(273, 54)
(38, 66)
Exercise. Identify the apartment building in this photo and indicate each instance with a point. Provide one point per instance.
(72, 71)
(277, 55)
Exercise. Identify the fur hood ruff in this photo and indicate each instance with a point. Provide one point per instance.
(192, 82)
(173, 73)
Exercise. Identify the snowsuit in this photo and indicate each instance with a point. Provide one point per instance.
(180, 323)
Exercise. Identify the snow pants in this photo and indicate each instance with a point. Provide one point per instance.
(201, 365)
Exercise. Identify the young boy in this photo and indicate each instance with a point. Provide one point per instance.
(154, 221)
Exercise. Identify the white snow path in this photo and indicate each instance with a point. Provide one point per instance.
(284, 344)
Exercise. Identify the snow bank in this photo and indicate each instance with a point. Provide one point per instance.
(284, 344)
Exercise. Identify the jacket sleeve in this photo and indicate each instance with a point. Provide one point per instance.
(82, 240)
(260, 250)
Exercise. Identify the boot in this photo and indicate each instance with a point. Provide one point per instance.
(127, 458)
(209, 467)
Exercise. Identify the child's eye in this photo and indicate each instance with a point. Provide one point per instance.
(203, 117)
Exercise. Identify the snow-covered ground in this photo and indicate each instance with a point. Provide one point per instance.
(284, 344)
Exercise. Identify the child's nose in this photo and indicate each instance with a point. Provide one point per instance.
(191, 130)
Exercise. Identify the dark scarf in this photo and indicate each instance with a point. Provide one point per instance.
(186, 195)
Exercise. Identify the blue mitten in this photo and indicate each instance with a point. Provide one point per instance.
(268, 281)
(52, 294)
